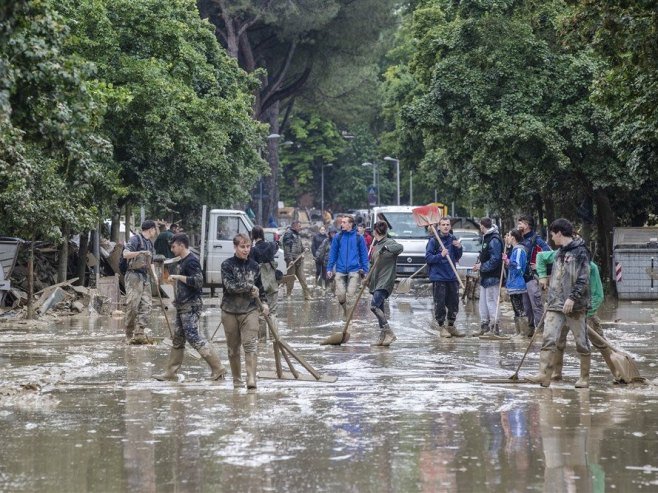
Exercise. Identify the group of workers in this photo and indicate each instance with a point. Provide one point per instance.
(251, 285)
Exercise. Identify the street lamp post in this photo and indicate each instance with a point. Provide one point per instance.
(328, 165)
(411, 187)
(397, 167)
(374, 177)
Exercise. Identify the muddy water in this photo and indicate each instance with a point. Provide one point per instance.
(414, 417)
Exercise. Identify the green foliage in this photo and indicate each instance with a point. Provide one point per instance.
(181, 124)
(503, 110)
(53, 158)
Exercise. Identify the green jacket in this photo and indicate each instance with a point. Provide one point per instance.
(595, 284)
(384, 275)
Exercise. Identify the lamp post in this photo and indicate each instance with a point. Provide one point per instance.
(411, 187)
(397, 166)
(374, 177)
(328, 165)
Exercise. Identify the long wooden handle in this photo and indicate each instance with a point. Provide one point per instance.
(452, 265)
(164, 310)
(358, 296)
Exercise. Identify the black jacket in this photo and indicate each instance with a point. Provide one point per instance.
(188, 293)
(239, 277)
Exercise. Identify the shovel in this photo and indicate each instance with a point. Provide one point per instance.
(405, 284)
(338, 338)
(429, 215)
(620, 363)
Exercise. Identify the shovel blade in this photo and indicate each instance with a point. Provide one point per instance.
(623, 368)
(336, 339)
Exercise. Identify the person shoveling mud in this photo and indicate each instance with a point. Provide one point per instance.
(188, 288)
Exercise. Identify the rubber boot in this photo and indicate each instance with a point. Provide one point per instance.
(585, 362)
(173, 365)
(545, 369)
(380, 339)
(389, 336)
(531, 331)
(495, 329)
(558, 361)
(519, 329)
(250, 363)
(129, 334)
(484, 328)
(443, 332)
(212, 358)
(236, 370)
(452, 330)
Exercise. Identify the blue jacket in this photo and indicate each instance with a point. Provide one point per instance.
(517, 261)
(439, 267)
(348, 253)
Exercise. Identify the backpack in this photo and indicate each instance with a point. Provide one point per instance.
(534, 248)
(124, 264)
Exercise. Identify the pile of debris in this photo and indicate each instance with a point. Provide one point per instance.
(65, 298)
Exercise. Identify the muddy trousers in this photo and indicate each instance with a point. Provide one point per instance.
(186, 328)
(532, 303)
(377, 306)
(488, 304)
(446, 298)
(555, 322)
(517, 304)
(346, 284)
(138, 302)
(296, 269)
(241, 329)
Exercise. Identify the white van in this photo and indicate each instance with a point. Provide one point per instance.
(404, 230)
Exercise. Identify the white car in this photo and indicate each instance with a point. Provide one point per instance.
(471, 245)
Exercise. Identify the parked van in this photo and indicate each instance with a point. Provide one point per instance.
(404, 230)
(218, 227)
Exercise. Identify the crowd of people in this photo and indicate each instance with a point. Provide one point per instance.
(352, 257)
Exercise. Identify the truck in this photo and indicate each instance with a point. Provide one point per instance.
(218, 227)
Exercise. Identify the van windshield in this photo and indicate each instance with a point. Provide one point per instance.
(403, 226)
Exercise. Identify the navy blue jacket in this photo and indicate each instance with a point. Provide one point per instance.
(439, 266)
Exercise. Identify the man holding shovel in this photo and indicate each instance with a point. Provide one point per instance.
(293, 254)
(188, 285)
(385, 252)
(567, 303)
(445, 287)
(242, 284)
(348, 254)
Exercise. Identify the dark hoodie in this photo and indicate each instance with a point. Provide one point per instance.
(239, 277)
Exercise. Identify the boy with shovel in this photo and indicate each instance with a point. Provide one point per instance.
(188, 284)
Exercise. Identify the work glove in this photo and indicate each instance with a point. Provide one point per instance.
(330, 274)
(362, 273)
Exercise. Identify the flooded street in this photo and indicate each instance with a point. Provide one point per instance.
(412, 417)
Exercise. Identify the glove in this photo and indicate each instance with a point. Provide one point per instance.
(543, 282)
(362, 273)
(330, 274)
(384, 249)
(254, 292)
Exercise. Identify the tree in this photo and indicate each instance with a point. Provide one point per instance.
(182, 131)
(296, 45)
(53, 158)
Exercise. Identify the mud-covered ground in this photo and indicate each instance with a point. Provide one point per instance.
(79, 410)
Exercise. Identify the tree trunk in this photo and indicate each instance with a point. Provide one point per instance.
(30, 281)
(271, 207)
(605, 221)
(63, 256)
(82, 258)
(128, 222)
(115, 230)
